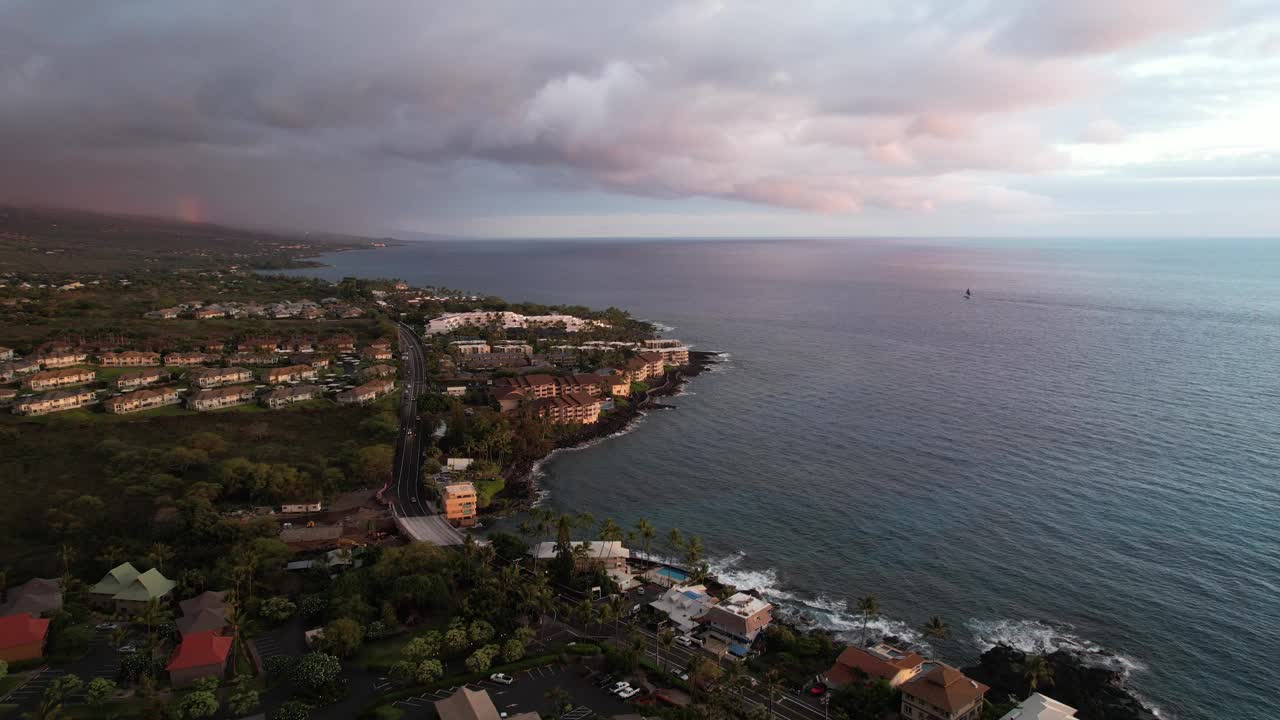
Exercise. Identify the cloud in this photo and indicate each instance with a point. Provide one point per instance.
(1046, 28)
(1103, 132)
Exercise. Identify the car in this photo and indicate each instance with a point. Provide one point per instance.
(682, 675)
(629, 693)
(619, 686)
(685, 640)
(126, 649)
(817, 690)
(106, 626)
(502, 678)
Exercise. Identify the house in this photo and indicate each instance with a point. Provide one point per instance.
(288, 374)
(287, 396)
(340, 343)
(199, 655)
(208, 313)
(163, 314)
(7, 395)
(139, 592)
(1040, 707)
(459, 501)
(216, 377)
(376, 353)
(116, 579)
(22, 637)
(609, 554)
(300, 344)
(684, 604)
(942, 693)
(38, 597)
(367, 392)
(17, 368)
(56, 401)
(737, 620)
(468, 704)
(470, 347)
(260, 344)
(253, 358)
(129, 358)
(879, 662)
(376, 371)
(220, 398)
(203, 613)
(53, 379)
(315, 361)
(572, 407)
(381, 344)
(141, 400)
(189, 358)
(61, 358)
(6, 353)
(310, 506)
(134, 379)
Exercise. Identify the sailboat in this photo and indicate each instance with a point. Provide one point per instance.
(968, 295)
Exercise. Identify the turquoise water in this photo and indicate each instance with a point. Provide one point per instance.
(1085, 455)
(673, 574)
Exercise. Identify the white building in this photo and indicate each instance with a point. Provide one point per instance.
(458, 464)
(1040, 707)
(684, 604)
(505, 319)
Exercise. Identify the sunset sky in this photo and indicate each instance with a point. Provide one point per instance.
(1080, 118)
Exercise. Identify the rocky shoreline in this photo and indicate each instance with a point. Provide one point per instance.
(1097, 692)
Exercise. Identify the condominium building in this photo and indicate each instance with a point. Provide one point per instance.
(51, 379)
(470, 347)
(189, 358)
(220, 398)
(135, 379)
(367, 392)
(290, 395)
(459, 503)
(292, 373)
(450, 322)
(129, 358)
(217, 377)
(572, 407)
(61, 359)
(942, 693)
(141, 400)
(673, 351)
(643, 366)
(56, 401)
(524, 348)
(484, 361)
(739, 619)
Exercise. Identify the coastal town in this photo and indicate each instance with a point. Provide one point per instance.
(275, 497)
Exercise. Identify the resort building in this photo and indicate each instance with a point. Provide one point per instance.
(643, 366)
(129, 358)
(533, 385)
(200, 655)
(942, 693)
(38, 597)
(684, 604)
(61, 359)
(189, 358)
(450, 322)
(572, 407)
(673, 351)
(470, 347)
(738, 619)
(141, 400)
(365, 393)
(52, 379)
(459, 503)
(139, 378)
(376, 353)
(619, 386)
(879, 662)
(22, 637)
(217, 377)
(607, 554)
(290, 395)
(1040, 707)
(290, 374)
(220, 398)
(56, 401)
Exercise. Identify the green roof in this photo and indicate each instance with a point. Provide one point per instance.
(117, 579)
(147, 586)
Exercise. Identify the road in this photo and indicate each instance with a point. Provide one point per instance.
(408, 460)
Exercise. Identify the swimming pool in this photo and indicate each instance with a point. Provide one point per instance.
(673, 574)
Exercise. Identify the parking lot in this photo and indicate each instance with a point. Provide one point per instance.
(101, 660)
(528, 694)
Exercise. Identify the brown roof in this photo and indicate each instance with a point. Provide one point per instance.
(650, 357)
(525, 381)
(467, 704)
(945, 687)
(209, 599)
(55, 374)
(874, 666)
(232, 391)
(140, 395)
(145, 372)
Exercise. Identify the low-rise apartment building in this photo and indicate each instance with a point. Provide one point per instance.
(220, 398)
(253, 358)
(340, 343)
(738, 619)
(290, 395)
(129, 358)
(673, 351)
(488, 361)
(643, 366)
(189, 358)
(376, 353)
(61, 359)
(292, 373)
(571, 407)
(505, 319)
(943, 693)
(56, 401)
(315, 361)
(259, 344)
(135, 379)
(141, 400)
(367, 392)
(216, 377)
(376, 371)
(459, 503)
(470, 347)
(523, 348)
(18, 368)
(533, 385)
(53, 379)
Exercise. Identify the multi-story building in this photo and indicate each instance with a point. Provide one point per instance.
(533, 385)
(56, 401)
(459, 503)
(189, 358)
(484, 361)
(878, 662)
(61, 359)
(684, 604)
(571, 407)
(1040, 707)
(673, 351)
(216, 377)
(312, 359)
(259, 344)
(470, 347)
(129, 358)
(524, 348)
(290, 395)
(220, 398)
(253, 358)
(52, 379)
(18, 368)
(643, 366)
(135, 379)
(292, 373)
(505, 319)
(738, 620)
(367, 392)
(942, 693)
(141, 400)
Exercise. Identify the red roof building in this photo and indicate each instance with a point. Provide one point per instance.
(22, 637)
(879, 662)
(200, 655)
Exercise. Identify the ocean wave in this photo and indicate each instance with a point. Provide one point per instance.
(660, 327)
(1040, 638)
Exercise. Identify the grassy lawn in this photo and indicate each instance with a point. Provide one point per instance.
(381, 654)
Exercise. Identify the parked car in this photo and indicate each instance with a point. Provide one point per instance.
(629, 693)
(106, 626)
(685, 640)
(817, 690)
(126, 649)
(502, 678)
(619, 687)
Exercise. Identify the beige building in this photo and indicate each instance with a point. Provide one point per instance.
(738, 619)
(643, 366)
(571, 407)
(141, 400)
(61, 359)
(673, 351)
(189, 358)
(470, 347)
(53, 379)
(216, 377)
(253, 358)
(6, 353)
(129, 358)
(220, 398)
(943, 693)
(468, 704)
(287, 396)
(376, 353)
(56, 401)
(365, 393)
(376, 371)
(292, 373)
(135, 379)
(459, 500)
(340, 343)
(609, 554)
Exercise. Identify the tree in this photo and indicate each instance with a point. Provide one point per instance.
(512, 650)
(480, 632)
(316, 670)
(936, 628)
(99, 691)
(277, 609)
(559, 700)
(868, 605)
(293, 710)
(244, 698)
(676, 540)
(646, 533)
(1037, 670)
(199, 704)
(422, 647)
(373, 464)
(480, 660)
(343, 637)
(693, 551)
(665, 639)
(455, 640)
(609, 531)
(428, 671)
(773, 687)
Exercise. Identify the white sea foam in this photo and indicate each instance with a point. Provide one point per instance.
(1040, 638)
(537, 471)
(660, 327)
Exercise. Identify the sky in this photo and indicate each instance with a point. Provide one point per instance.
(510, 118)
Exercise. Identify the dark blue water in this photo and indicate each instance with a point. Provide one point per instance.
(1085, 455)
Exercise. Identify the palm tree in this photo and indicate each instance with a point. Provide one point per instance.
(868, 606)
(676, 540)
(646, 533)
(773, 687)
(936, 628)
(618, 603)
(693, 551)
(1037, 670)
(559, 699)
(609, 531)
(665, 639)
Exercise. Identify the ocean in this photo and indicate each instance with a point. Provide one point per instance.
(1083, 455)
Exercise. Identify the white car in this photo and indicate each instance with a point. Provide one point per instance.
(619, 687)
(629, 693)
(501, 678)
(685, 640)
(126, 650)
(106, 626)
